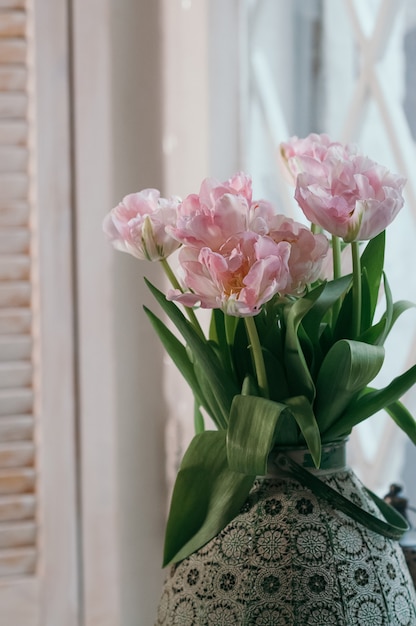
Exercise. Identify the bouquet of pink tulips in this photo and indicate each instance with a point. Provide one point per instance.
(290, 352)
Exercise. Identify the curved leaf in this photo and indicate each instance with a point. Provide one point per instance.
(403, 418)
(347, 369)
(372, 261)
(372, 402)
(305, 418)
(332, 291)
(300, 380)
(207, 495)
(252, 419)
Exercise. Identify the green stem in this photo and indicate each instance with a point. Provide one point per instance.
(257, 355)
(356, 289)
(175, 284)
(336, 265)
(336, 256)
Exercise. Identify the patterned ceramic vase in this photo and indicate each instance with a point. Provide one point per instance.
(290, 558)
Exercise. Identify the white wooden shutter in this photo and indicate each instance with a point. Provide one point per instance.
(17, 450)
(38, 533)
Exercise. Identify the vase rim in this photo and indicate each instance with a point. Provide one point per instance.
(333, 457)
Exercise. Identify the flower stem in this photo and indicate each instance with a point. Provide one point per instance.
(336, 256)
(336, 265)
(356, 289)
(175, 284)
(257, 355)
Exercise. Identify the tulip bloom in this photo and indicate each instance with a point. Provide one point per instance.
(247, 272)
(307, 252)
(300, 155)
(138, 225)
(218, 212)
(353, 198)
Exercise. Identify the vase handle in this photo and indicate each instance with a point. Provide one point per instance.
(393, 528)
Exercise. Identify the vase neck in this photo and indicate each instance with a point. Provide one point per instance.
(333, 458)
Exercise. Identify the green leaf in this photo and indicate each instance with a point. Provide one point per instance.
(207, 496)
(217, 377)
(250, 435)
(392, 314)
(372, 260)
(179, 355)
(372, 402)
(332, 291)
(347, 369)
(298, 374)
(305, 418)
(199, 422)
(218, 336)
(403, 418)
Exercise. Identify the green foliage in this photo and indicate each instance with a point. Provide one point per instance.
(315, 388)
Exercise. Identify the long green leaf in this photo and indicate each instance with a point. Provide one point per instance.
(372, 261)
(299, 377)
(372, 402)
(219, 379)
(179, 356)
(347, 369)
(207, 495)
(303, 413)
(403, 418)
(251, 431)
(332, 291)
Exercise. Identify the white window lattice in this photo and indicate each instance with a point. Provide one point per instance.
(344, 67)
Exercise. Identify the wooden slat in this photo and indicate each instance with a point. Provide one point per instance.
(12, 4)
(14, 240)
(15, 267)
(15, 401)
(19, 562)
(15, 321)
(16, 428)
(13, 186)
(15, 294)
(13, 159)
(13, 132)
(15, 481)
(15, 374)
(17, 535)
(17, 507)
(13, 105)
(14, 213)
(14, 455)
(15, 347)
(13, 50)
(13, 78)
(12, 23)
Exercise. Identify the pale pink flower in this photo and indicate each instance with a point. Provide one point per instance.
(247, 272)
(307, 252)
(138, 225)
(220, 211)
(300, 154)
(353, 198)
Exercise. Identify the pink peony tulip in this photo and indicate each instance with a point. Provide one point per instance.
(220, 211)
(138, 225)
(353, 198)
(300, 155)
(247, 272)
(307, 252)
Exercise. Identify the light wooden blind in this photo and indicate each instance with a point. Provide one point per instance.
(17, 449)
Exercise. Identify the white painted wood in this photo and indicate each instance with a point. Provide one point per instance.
(97, 364)
(58, 601)
(39, 573)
